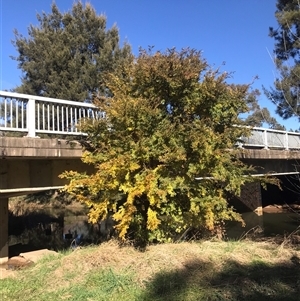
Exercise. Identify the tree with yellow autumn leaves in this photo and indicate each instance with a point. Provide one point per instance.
(169, 119)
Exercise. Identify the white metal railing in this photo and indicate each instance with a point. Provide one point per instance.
(35, 114)
(271, 139)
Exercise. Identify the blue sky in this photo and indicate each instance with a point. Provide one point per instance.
(231, 31)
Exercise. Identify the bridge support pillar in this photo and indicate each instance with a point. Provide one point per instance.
(251, 197)
(3, 230)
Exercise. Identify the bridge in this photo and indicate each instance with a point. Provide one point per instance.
(29, 165)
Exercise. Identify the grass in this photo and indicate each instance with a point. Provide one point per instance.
(208, 270)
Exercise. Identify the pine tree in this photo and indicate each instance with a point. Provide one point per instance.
(169, 121)
(260, 116)
(65, 55)
(286, 91)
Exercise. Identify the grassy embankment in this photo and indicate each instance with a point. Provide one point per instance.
(208, 270)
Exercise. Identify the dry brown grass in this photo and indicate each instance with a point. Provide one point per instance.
(164, 257)
(207, 270)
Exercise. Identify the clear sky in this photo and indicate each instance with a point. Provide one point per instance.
(231, 31)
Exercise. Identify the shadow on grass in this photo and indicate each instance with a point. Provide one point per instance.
(231, 281)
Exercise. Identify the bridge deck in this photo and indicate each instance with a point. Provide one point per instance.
(16, 147)
(268, 154)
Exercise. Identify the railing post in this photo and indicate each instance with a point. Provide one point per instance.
(265, 140)
(30, 120)
(286, 138)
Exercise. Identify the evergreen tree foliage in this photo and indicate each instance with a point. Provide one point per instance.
(64, 56)
(260, 116)
(285, 93)
(263, 118)
(169, 121)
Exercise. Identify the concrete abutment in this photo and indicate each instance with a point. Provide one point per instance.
(3, 230)
(251, 197)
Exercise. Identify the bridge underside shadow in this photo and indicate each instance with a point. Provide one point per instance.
(288, 193)
(24, 176)
(281, 164)
(254, 197)
(29, 173)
